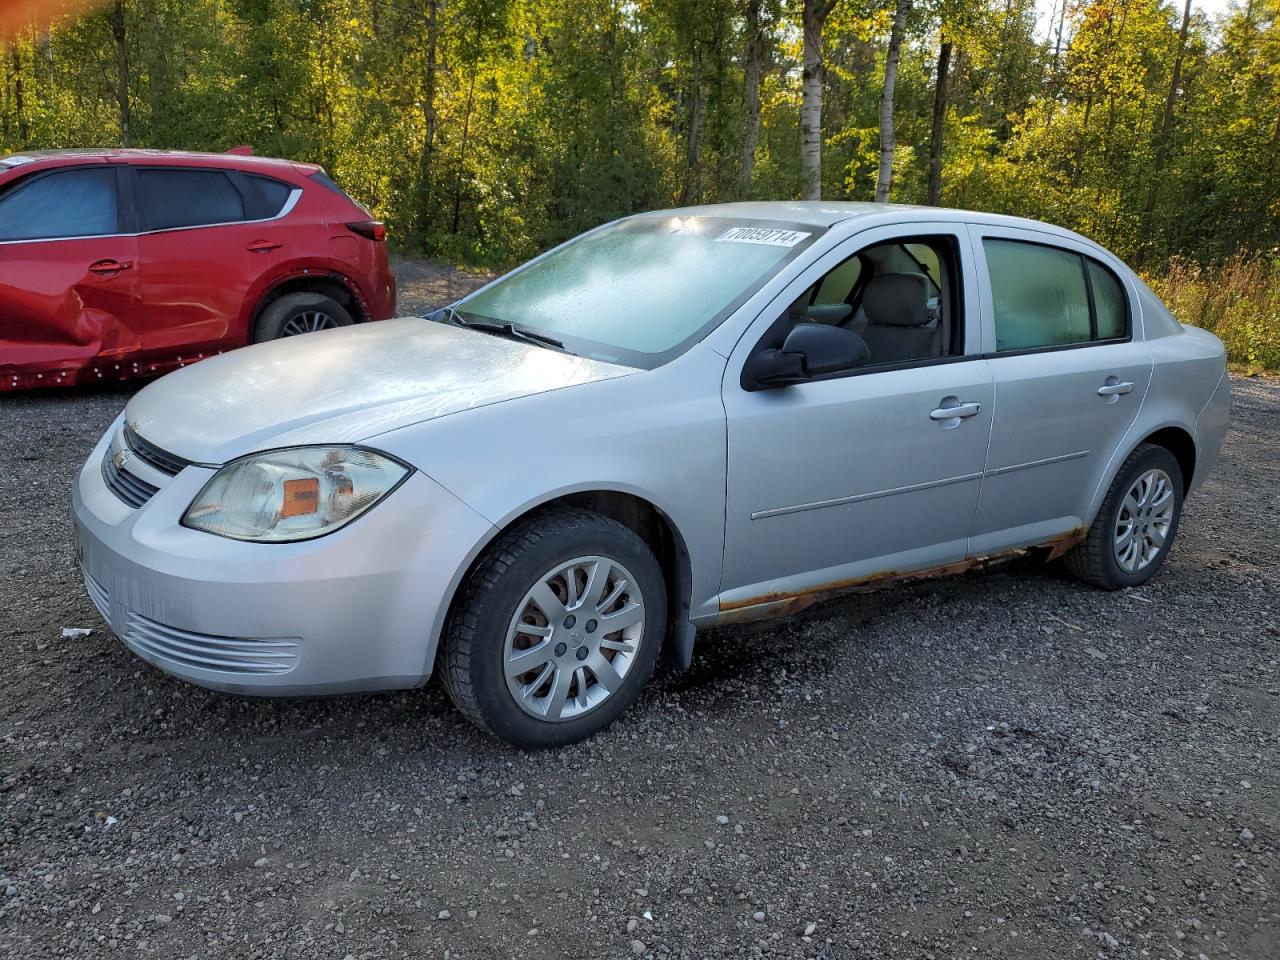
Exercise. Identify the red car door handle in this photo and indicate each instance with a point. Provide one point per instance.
(109, 268)
(263, 246)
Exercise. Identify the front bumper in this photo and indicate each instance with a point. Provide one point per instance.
(356, 610)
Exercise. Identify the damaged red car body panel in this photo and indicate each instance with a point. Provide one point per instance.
(118, 264)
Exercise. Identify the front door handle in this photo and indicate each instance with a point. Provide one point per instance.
(109, 268)
(1114, 387)
(263, 246)
(956, 412)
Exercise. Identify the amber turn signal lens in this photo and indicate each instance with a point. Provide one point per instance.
(301, 497)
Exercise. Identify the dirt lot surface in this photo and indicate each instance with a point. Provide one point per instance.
(422, 286)
(1004, 764)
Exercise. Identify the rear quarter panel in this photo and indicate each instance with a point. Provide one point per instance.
(1189, 390)
(315, 243)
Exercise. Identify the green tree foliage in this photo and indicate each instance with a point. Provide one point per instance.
(486, 130)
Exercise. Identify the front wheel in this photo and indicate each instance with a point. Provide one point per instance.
(556, 631)
(1134, 530)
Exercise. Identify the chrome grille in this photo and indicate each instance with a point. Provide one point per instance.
(237, 655)
(148, 452)
(98, 594)
(132, 490)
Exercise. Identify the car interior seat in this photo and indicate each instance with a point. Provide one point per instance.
(901, 323)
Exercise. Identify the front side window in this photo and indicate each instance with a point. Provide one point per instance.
(838, 285)
(900, 297)
(642, 290)
(1049, 297)
(69, 203)
(174, 197)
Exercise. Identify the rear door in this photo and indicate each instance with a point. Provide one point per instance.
(68, 276)
(198, 260)
(1070, 375)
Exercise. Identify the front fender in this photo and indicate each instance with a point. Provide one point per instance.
(657, 435)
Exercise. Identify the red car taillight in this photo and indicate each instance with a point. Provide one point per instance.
(373, 229)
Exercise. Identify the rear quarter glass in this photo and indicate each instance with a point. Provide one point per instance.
(326, 181)
(266, 196)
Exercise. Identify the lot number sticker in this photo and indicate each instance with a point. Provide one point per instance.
(765, 235)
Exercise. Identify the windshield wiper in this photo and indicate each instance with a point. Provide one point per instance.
(498, 328)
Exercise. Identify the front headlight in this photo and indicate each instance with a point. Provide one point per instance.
(293, 494)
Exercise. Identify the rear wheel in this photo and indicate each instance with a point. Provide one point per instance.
(556, 631)
(1136, 524)
(298, 313)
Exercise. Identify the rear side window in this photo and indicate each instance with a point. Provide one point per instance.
(69, 203)
(266, 196)
(174, 197)
(1049, 297)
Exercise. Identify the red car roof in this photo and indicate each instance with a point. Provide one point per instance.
(37, 159)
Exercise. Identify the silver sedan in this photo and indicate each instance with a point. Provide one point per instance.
(680, 419)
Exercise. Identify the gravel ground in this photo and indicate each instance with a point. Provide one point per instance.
(1003, 764)
(421, 285)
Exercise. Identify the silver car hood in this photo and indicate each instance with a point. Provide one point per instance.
(344, 386)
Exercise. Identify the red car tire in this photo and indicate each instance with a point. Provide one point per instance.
(296, 313)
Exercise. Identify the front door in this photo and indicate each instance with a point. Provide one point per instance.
(874, 472)
(69, 305)
(1069, 374)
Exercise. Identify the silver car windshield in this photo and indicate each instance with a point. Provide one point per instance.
(641, 291)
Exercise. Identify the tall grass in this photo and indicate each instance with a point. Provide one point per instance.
(1238, 300)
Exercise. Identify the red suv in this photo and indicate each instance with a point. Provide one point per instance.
(127, 263)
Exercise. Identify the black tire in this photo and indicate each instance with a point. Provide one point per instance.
(472, 655)
(1094, 560)
(276, 317)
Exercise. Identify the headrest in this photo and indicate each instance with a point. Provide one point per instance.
(897, 299)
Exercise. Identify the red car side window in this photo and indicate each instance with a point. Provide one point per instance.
(174, 197)
(69, 203)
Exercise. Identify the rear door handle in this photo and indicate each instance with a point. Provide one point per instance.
(959, 411)
(109, 268)
(263, 246)
(1114, 387)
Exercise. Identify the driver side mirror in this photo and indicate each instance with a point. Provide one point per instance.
(810, 350)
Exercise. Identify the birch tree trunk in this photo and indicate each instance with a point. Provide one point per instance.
(939, 124)
(888, 141)
(813, 17)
